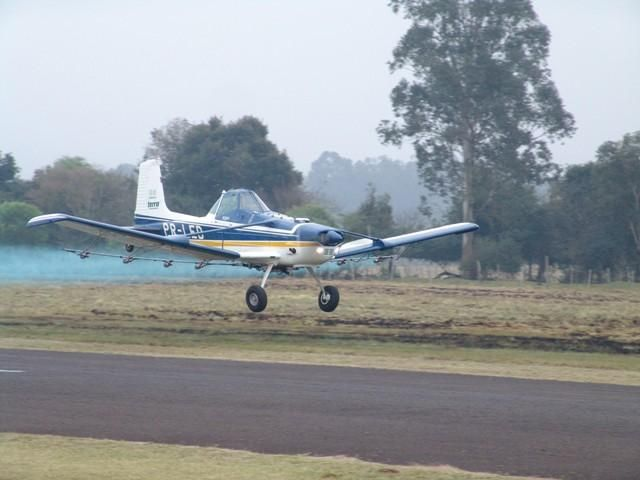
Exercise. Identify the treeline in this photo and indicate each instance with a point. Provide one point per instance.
(70, 185)
(585, 222)
(594, 211)
(585, 219)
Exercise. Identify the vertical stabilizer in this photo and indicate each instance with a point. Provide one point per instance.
(150, 198)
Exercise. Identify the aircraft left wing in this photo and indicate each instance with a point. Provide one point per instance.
(176, 243)
(369, 245)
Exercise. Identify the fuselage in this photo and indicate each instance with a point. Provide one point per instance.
(278, 239)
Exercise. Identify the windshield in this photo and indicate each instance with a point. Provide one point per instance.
(238, 206)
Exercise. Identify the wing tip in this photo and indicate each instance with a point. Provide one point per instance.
(45, 219)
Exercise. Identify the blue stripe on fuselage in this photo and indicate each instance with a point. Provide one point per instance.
(306, 232)
(209, 231)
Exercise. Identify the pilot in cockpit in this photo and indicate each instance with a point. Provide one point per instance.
(239, 206)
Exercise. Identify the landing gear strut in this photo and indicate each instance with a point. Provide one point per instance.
(256, 296)
(329, 296)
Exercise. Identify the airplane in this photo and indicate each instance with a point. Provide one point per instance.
(239, 230)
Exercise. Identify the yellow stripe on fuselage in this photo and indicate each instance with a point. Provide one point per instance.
(253, 243)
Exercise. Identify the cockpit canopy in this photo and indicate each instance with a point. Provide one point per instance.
(239, 206)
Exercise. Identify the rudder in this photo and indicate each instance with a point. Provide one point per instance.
(150, 197)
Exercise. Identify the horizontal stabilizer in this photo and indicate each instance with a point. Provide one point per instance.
(369, 245)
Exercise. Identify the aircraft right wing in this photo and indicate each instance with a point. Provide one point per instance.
(368, 245)
(176, 243)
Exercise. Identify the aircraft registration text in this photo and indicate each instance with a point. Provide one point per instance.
(170, 228)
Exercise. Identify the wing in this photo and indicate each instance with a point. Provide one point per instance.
(369, 245)
(176, 243)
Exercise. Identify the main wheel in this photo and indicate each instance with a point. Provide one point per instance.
(256, 298)
(328, 299)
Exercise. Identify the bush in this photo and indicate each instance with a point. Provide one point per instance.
(13, 218)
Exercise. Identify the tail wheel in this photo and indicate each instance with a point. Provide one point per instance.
(256, 298)
(328, 299)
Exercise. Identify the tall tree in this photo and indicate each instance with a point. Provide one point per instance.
(201, 160)
(8, 168)
(480, 97)
(584, 234)
(11, 187)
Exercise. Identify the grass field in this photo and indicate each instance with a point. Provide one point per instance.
(555, 332)
(36, 457)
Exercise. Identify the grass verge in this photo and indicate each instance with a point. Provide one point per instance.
(569, 366)
(561, 333)
(34, 457)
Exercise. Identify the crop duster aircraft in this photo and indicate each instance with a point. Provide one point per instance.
(239, 229)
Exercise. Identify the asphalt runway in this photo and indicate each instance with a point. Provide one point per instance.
(556, 429)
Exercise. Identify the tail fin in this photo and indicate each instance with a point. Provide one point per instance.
(150, 198)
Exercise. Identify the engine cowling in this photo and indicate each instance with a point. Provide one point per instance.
(325, 236)
(330, 238)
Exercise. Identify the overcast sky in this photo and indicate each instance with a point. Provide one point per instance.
(94, 78)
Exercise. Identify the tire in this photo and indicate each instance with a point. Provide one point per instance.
(256, 298)
(129, 248)
(328, 298)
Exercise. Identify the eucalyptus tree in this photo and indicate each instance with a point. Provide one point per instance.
(479, 100)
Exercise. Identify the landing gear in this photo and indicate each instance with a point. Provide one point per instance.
(256, 296)
(329, 296)
(129, 248)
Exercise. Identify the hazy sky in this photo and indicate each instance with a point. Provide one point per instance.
(94, 78)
